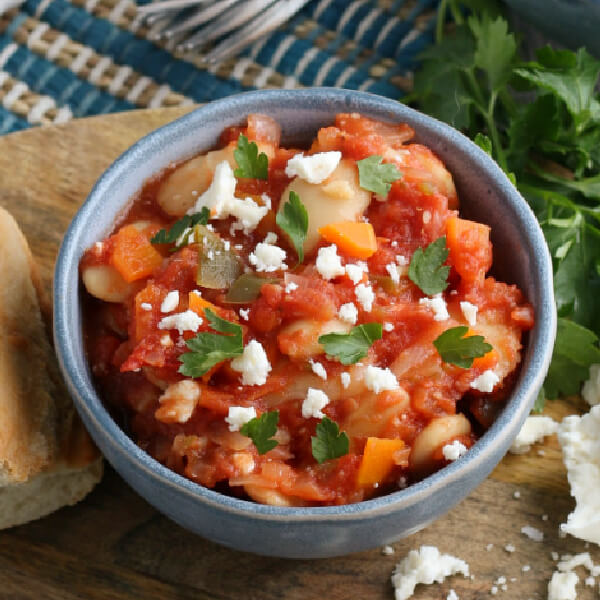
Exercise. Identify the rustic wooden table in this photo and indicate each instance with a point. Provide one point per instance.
(114, 545)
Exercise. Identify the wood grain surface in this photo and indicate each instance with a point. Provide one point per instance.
(113, 545)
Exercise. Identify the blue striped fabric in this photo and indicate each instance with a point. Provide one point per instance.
(362, 44)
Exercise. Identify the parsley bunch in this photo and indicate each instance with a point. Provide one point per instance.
(540, 120)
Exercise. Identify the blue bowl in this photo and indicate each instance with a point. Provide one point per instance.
(486, 195)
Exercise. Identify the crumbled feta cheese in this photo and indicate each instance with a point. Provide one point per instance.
(591, 388)
(526, 568)
(182, 398)
(355, 272)
(166, 340)
(170, 303)
(426, 565)
(533, 533)
(554, 556)
(270, 238)
(454, 450)
(267, 258)
(348, 313)
(388, 327)
(253, 364)
(315, 168)
(184, 321)
(393, 271)
(438, 305)
(452, 595)
(485, 382)
(544, 517)
(470, 313)
(329, 264)
(579, 438)
(378, 380)
(494, 590)
(426, 217)
(590, 581)
(318, 369)
(509, 548)
(238, 416)
(517, 495)
(146, 306)
(290, 287)
(402, 260)
(387, 551)
(562, 586)
(501, 580)
(534, 429)
(314, 402)
(394, 243)
(266, 200)
(365, 296)
(244, 313)
(345, 377)
(570, 563)
(226, 245)
(489, 547)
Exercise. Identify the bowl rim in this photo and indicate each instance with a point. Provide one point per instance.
(506, 425)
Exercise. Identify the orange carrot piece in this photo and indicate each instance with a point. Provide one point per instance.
(355, 239)
(470, 248)
(488, 360)
(197, 303)
(133, 255)
(378, 460)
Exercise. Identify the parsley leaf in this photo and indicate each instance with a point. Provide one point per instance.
(329, 442)
(484, 142)
(349, 348)
(540, 402)
(293, 219)
(426, 270)
(574, 352)
(375, 176)
(251, 164)
(178, 228)
(209, 349)
(261, 429)
(458, 350)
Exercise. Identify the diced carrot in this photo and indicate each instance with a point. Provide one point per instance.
(197, 303)
(134, 256)
(470, 248)
(146, 320)
(355, 239)
(487, 361)
(378, 460)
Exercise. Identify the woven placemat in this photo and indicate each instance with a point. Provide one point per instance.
(64, 59)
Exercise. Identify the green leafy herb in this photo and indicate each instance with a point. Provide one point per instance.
(540, 402)
(178, 229)
(251, 164)
(426, 270)
(458, 350)
(375, 176)
(329, 442)
(349, 348)
(261, 430)
(210, 349)
(293, 219)
(246, 288)
(484, 142)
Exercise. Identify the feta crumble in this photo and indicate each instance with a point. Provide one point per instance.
(355, 272)
(533, 533)
(348, 313)
(184, 321)
(270, 238)
(315, 168)
(452, 595)
(534, 430)
(365, 296)
(244, 313)
(438, 305)
(345, 377)
(393, 271)
(238, 416)
(267, 258)
(570, 563)
(318, 369)
(591, 388)
(388, 327)
(146, 306)
(470, 313)
(509, 548)
(378, 380)
(426, 565)
(485, 382)
(562, 586)
(590, 581)
(454, 450)
(387, 551)
(253, 364)
(290, 287)
(313, 404)
(329, 264)
(170, 303)
(525, 568)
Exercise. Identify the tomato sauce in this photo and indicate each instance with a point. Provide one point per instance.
(146, 305)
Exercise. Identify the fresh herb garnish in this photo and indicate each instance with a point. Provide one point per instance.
(329, 442)
(426, 268)
(458, 350)
(251, 164)
(293, 219)
(209, 349)
(261, 429)
(349, 348)
(179, 227)
(375, 176)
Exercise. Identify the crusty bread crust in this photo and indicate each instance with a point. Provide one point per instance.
(47, 459)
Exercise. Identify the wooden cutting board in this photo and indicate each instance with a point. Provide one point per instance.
(113, 545)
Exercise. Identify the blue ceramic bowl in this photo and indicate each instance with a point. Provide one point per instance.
(486, 195)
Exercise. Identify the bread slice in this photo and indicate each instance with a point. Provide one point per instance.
(46, 457)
